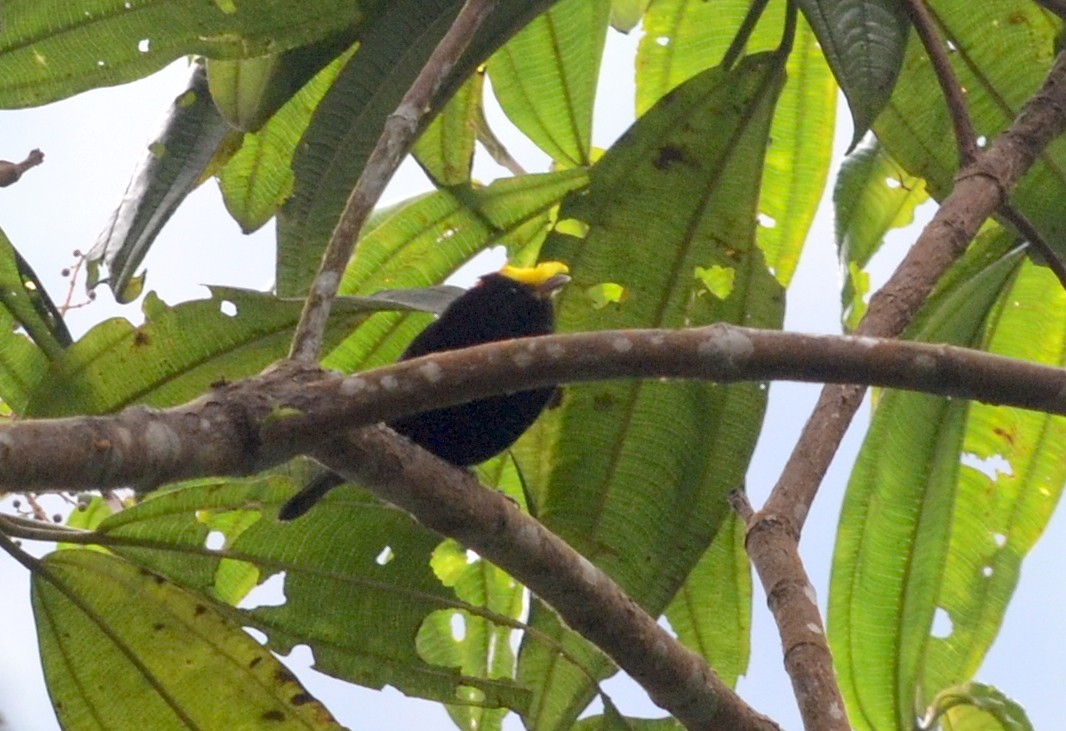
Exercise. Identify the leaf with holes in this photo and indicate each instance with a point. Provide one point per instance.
(634, 474)
(154, 655)
(180, 351)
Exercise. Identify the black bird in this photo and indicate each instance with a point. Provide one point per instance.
(512, 303)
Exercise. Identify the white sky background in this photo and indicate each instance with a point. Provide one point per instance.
(92, 144)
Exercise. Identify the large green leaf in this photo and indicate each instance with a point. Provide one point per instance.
(864, 42)
(483, 646)
(446, 149)
(893, 536)
(612, 720)
(258, 177)
(25, 304)
(123, 648)
(685, 37)
(636, 474)
(349, 120)
(24, 300)
(799, 155)
(915, 124)
(545, 78)
(180, 351)
(978, 707)
(358, 583)
(711, 613)
(51, 49)
(1012, 475)
(248, 91)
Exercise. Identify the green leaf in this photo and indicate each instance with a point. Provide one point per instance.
(893, 535)
(978, 707)
(23, 300)
(626, 14)
(561, 669)
(864, 42)
(347, 123)
(615, 721)
(685, 37)
(1012, 476)
(180, 351)
(248, 91)
(25, 304)
(612, 720)
(872, 196)
(172, 168)
(258, 177)
(115, 637)
(51, 49)
(711, 613)
(545, 78)
(88, 514)
(916, 124)
(475, 641)
(636, 473)
(446, 149)
(799, 154)
(355, 574)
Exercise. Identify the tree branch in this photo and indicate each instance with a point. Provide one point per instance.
(258, 423)
(966, 137)
(452, 502)
(401, 130)
(981, 188)
(10, 172)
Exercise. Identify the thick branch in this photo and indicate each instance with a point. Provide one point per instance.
(248, 426)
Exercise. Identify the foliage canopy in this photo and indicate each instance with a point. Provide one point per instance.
(698, 214)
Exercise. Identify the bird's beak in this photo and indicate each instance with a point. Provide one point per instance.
(552, 284)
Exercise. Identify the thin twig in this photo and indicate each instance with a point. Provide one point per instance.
(1029, 232)
(743, 34)
(965, 136)
(401, 130)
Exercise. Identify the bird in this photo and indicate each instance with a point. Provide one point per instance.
(514, 302)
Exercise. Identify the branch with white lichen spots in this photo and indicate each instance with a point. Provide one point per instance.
(251, 425)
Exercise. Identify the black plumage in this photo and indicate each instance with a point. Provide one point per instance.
(512, 303)
(497, 308)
